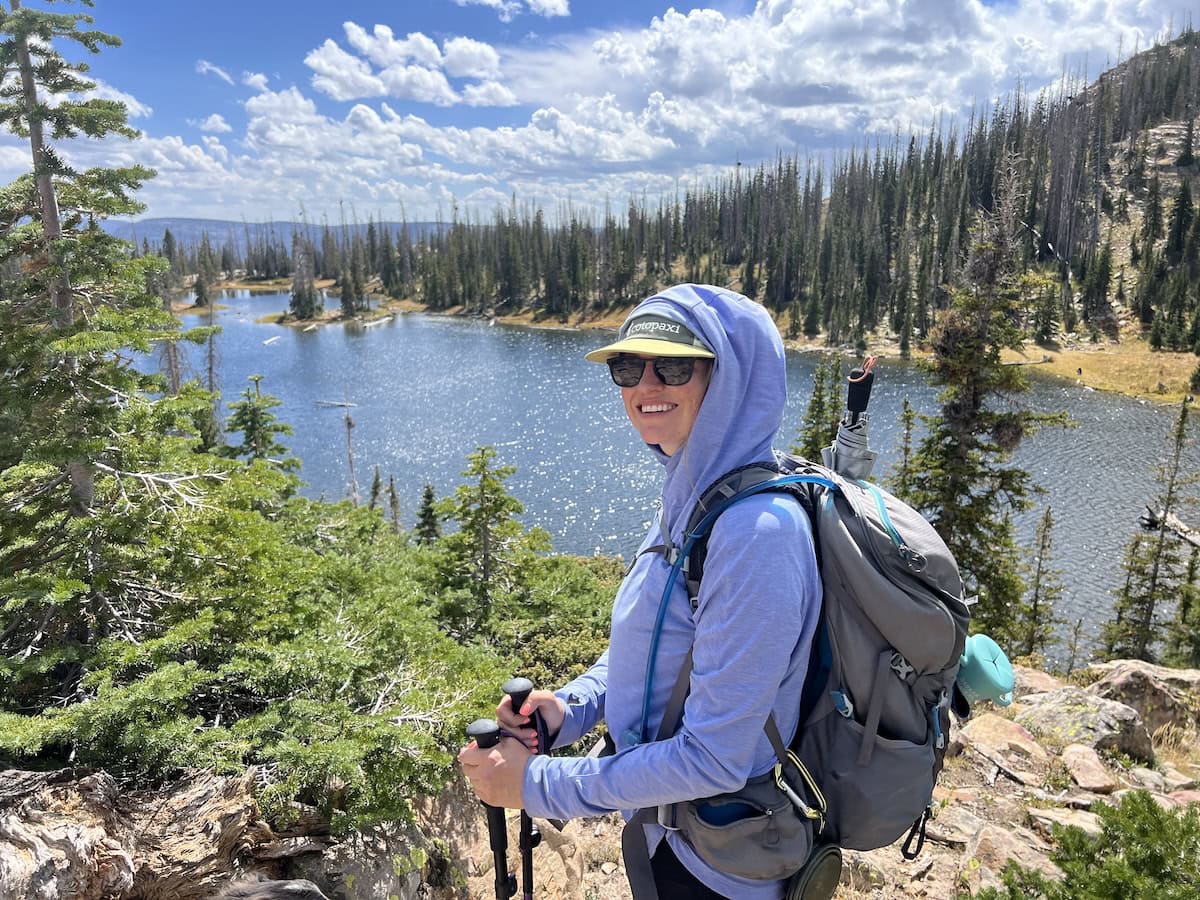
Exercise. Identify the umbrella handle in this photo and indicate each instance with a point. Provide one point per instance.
(858, 388)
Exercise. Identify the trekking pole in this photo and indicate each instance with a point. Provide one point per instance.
(518, 690)
(486, 733)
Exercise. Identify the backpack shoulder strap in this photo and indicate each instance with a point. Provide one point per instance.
(743, 481)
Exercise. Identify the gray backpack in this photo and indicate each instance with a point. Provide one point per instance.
(874, 715)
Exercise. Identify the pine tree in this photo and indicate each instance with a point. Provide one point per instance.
(80, 444)
(814, 430)
(900, 479)
(1180, 223)
(1154, 573)
(201, 288)
(486, 558)
(1183, 637)
(961, 479)
(376, 489)
(428, 529)
(393, 495)
(348, 301)
(1036, 616)
(305, 302)
(1187, 154)
(260, 430)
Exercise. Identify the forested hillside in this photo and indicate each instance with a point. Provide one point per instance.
(1105, 175)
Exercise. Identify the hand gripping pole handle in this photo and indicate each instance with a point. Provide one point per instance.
(519, 689)
(486, 733)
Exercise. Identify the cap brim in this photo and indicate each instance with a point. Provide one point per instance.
(650, 347)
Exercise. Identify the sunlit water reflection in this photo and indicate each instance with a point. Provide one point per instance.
(429, 389)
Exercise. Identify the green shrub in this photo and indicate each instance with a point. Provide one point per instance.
(1143, 851)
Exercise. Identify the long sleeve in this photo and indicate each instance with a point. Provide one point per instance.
(583, 698)
(750, 637)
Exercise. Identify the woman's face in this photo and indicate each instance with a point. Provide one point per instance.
(664, 414)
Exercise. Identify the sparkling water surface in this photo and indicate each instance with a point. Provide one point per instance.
(430, 389)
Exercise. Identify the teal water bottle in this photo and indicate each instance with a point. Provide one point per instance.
(984, 672)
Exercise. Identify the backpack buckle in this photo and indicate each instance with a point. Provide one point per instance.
(902, 667)
(843, 704)
(666, 816)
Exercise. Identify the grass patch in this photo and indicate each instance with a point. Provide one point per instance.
(1129, 367)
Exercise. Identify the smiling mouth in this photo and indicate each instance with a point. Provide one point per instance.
(657, 407)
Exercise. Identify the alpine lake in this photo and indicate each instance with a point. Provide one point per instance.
(424, 391)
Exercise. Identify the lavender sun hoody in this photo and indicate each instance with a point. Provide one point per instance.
(751, 632)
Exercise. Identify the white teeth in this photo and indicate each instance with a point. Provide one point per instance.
(658, 407)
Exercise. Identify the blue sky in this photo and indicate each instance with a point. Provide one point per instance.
(262, 109)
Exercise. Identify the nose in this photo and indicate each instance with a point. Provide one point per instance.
(648, 366)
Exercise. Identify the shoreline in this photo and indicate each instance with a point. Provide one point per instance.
(1126, 366)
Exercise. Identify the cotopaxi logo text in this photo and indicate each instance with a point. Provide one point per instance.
(644, 326)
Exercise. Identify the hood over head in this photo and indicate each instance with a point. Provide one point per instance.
(747, 391)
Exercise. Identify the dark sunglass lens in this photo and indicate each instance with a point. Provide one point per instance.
(626, 370)
(675, 372)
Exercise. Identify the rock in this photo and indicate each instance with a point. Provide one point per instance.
(384, 861)
(289, 889)
(1033, 681)
(1004, 735)
(1149, 779)
(1075, 716)
(1143, 686)
(1183, 798)
(993, 847)
(953, 826)
(1176, 780)
(1043, 818)
(1088, 771)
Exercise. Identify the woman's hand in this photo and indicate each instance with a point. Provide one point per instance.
(497, 773)
(519, 723)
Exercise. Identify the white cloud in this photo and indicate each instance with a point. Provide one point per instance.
(468, 58)
(596, 117)
(255, 80)
(419, 84)
(549, 8)
(508, 9)
(382, 48)
(341, 75)
(133, 106)
(216, 123)
(488, 93)
(215, 147)
(204, 67)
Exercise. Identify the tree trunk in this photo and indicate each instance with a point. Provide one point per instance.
(59, 287)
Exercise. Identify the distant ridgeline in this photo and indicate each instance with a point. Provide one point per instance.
(1101, 216)
(188, 233)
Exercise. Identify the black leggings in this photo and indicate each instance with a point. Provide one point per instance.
(673, 881)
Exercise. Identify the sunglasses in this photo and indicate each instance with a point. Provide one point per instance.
(627, 370)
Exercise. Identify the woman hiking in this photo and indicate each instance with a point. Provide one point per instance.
(701, 375)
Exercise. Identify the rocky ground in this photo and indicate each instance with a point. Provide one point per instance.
(1010, 774)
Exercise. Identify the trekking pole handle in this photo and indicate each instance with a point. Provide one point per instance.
(486, 733)
(519, 690)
